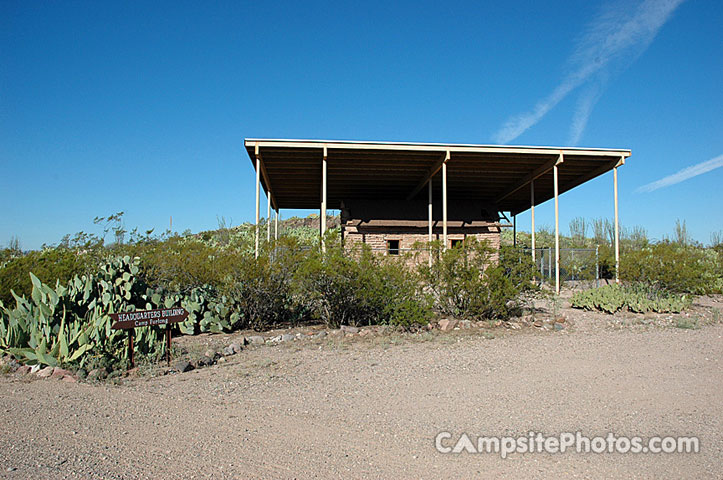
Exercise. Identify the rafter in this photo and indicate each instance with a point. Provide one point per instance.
(431, 173)
(538, 172)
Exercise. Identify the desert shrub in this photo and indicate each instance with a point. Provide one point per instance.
(638, 298)
(181, 264)
(468, 282)
(360, 288)
(674, 267)
(517, 265)
(49, 265)
(261, 289)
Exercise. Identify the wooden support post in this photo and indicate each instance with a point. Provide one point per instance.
(168, 344)
(617, 226)
(430, 238)
(557, 231)
(276, 225)
(268, 217)
(131, 347)
(323, 200)
(514, 230)
(532, 211)
(258, 201)
(444, 200)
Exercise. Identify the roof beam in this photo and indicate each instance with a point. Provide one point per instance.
(534, 175)
(431, 173)
(585, 178)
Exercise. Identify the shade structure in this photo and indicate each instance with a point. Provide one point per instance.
(291, 171)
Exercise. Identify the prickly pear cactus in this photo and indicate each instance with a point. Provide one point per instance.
(71, 323)
(634, 298)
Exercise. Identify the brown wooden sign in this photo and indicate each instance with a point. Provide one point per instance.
(148, 318)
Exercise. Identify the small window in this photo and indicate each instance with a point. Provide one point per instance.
(392, 247)
(457, 243)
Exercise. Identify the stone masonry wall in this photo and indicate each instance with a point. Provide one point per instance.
(377, 240)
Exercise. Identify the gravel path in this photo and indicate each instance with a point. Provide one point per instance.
(371, 409)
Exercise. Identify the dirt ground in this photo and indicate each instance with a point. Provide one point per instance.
(370, 407)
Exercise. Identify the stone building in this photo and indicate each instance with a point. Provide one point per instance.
(393, 228)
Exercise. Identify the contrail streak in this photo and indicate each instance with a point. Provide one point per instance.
(685, 174)
(615, 39)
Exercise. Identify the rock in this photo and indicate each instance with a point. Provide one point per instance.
(321, 334)
(235, 347)
(205, 361)
(10, 469)
(221, 360)
(559, 326)
(45, 372)
(35, 369)
(257, 340)
(97, 374)
(288, 337)
(69, 378)
(12, 364)
(465, 324)
(210, 353)
(429, 326)
(227, 351)
(60, 373)
(183, 366)
(538, 324)
(364, 332)
(276, 339)
(23, 370)
(560, 320)
(349, 329)
(447, 324)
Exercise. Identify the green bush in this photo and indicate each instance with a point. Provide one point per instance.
(674, 267)
(180, 264)
(468, 282)
(517, 265)
(637, 298)
(261, 289)
(48, 265)
(343, 287)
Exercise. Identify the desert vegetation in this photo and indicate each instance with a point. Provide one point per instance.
(55, 302)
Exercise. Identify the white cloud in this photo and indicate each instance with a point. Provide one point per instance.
(611, 42)
(685, 174)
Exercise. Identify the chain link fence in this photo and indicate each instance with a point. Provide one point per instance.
(577, 265)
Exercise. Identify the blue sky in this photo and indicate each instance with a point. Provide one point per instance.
(142, 107)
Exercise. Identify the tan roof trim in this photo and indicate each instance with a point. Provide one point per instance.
(432, 147)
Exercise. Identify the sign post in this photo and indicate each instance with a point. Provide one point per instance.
(148, 318)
